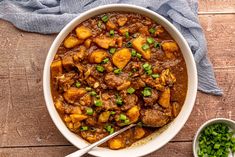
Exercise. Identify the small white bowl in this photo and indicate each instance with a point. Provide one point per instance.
(170, 130)
(229, 122)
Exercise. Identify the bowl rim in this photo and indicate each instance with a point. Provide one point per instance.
(204, 125)
(127, 151)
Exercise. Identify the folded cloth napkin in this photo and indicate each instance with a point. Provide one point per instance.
(50, 16)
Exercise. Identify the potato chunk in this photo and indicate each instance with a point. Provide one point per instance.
(105, 42)
(133, 113)
(138, 43)
(87, 43)
(97, 56)
(104, 117)
(73, 93)
(170, 48)
(121, 58)
(139, 133)
(110, 25)
(116, 143)
(83, 32)
(77, 117)
(176, 108)
(56, 68)
(119, 41)
(59, 106)
(164, 99)
(123, 30)
(122, 21)
(72, 41)
(76, 110)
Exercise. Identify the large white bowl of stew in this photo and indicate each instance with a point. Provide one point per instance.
(115, 65)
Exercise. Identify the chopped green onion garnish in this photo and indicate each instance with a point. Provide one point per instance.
(119, 101)
(147, 66)
(133, 53)
(216, 140)
(109, 129)
(127, 35)
(111, 32)
(78, 84)
(130, 90)
(146, 92)
(99, 24)
(88, 89)
(106, 60)
(145, 47)
(93, 93)
(112, 50)
(149, 72)
(122, 117)
(127, 121)
(89, 111)
(98, 103)
(105, 18)
(112, 112)
(100, 68)
(84, 128)
(152, 30)
(150, 40)
(156, 44)
(138, 55)
(128, 44)
(155, 75)
(117, 71)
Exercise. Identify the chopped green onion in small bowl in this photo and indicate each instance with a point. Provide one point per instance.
(215, 138)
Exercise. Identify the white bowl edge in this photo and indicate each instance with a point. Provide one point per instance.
(174, 127)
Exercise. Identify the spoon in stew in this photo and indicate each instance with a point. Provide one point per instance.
(91, 146)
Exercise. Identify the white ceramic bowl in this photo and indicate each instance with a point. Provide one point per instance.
(229, 122)
(171, 130)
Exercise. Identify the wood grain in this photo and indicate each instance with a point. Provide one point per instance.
(216, 6)
(175, 148)
(220, 35)
(25, 126)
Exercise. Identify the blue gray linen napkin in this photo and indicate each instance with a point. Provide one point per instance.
(50, 16)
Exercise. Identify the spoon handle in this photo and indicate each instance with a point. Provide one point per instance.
(89, 147)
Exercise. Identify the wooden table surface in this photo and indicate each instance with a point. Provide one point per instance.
(26, 128)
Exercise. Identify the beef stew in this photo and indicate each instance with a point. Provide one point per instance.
(116, 69)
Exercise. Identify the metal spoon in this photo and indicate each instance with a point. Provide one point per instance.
(89, 147)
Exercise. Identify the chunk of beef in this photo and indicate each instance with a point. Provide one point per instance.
(85, 100)
(154, 118)
(151, 100)
(130, 100)
(108, 102)
(137, 83)
(65, 81)
(113, 80)
(67, 62)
